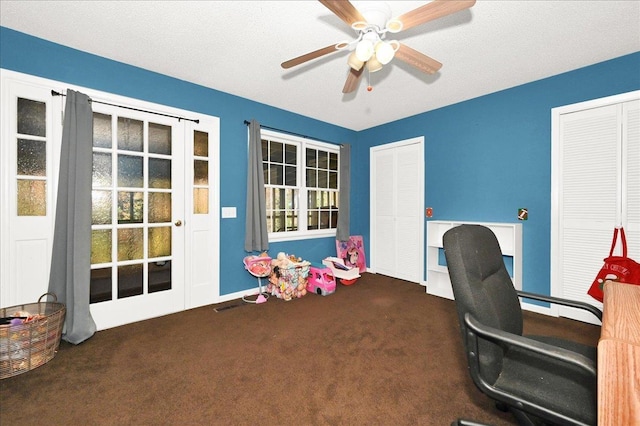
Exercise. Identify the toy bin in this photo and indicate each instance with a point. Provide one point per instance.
(30, 335)
(290, 282)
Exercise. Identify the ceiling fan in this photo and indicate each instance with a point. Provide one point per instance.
(372, 25)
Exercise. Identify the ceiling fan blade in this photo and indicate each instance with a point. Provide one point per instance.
(434, 10)
(309, 56)
(417, 59)
(344, 10)
(352, 80)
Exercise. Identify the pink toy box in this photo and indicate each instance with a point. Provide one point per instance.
(321, 280)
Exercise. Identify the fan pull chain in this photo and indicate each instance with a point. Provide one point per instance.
(369, 87)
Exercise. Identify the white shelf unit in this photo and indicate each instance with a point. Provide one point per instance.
(509, 237)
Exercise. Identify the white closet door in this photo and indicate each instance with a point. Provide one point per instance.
(589, 200)
(409, 214)
(598, 188)
(397, 225)
(383, 244)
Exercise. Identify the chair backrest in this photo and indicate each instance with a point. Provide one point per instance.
(482, 286)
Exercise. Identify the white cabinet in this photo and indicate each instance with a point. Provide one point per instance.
(509, 237)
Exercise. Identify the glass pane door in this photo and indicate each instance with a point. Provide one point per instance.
(137, 193)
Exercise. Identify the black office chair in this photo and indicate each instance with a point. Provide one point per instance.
(540, 379)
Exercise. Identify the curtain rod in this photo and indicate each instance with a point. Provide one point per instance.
(292, 133)
(54, 93)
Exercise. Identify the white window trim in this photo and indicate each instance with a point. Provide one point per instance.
(302, 144)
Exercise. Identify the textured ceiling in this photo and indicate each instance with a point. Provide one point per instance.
(237, 47)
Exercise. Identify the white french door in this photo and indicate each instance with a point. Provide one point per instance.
(155, 204)
(137, 242)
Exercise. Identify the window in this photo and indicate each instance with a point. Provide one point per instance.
(301, 186)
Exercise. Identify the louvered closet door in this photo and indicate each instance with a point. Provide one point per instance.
(397, 224)
(599, 188)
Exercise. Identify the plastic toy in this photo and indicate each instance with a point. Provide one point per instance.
(259, 267)
(352, 252)
(321, 281)
(346, 274)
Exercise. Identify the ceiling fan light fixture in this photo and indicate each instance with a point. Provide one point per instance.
(354, 62)
(364, 49)
(370, 48)
(394, 26)
(359, 26)
(373, 64)
(375, 12)
(385, 51)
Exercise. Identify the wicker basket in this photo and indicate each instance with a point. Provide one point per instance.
(34, 342)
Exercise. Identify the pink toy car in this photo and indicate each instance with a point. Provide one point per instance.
(321, 281)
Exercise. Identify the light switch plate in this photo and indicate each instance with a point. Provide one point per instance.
(228, 212)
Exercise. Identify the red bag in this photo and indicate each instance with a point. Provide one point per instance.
(616, 268)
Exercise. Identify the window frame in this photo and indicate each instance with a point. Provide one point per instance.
(302, 144)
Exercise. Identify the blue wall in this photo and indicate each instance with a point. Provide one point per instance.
(484, 158)
(489, 156)
(23, 53)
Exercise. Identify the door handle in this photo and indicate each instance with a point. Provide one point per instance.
(178, 223)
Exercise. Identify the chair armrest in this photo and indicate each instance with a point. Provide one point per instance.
(545, 349)
(560, 301)
(475, 329)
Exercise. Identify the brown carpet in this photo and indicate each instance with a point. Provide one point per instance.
(379, 352)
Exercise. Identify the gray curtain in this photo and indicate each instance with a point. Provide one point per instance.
(256, 236)
(342, 231)
(71, 261)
